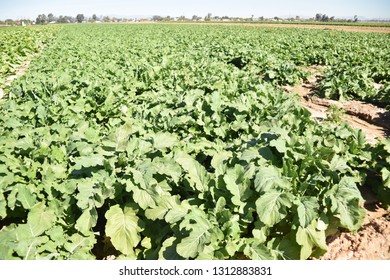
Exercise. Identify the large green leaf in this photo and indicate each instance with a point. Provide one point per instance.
(199, 236)
(310, 239)
(268, 178)
(163, 140)
(307, 210)
(257, 251)
(87, 221)
(123, 227)
(88, 161)
(167, 166)
(344, 199)
(197, 174)
(25, 196)
(350, 213)
(40, 219)
(79, 247)
(272, 207)
(238, 185)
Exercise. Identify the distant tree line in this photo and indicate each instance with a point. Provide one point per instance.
(50, 18)
(326, 18)
(80, 18)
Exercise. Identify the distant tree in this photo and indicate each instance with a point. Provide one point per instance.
(157, 18)
(331, 18)
(208, 17)
(50, 17)
(182, 18)
(355, 18)
(9, 21)
(261, 18)
(61, 19)
(252, 16)
(94, 17)
(195, 18)
(80, 18)
(318, 17)
(324, 18)
(41, 19)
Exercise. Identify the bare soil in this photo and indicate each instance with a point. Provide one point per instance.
(372, 120)
(371, 242)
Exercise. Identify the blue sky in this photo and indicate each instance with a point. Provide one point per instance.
(16, 9)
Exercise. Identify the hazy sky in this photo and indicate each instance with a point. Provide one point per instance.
(16, 9)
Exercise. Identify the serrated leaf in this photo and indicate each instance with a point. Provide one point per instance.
(220, 205)
(123, 227)
(177, 212)
(272, 207)
(348, 189)
(89, 194)
(169, 208)
(338, 164)
(29, 249)
(344, 199)
(350, 213)
(145, 198)
(122, 135)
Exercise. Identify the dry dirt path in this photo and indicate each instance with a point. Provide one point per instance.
(372, 120)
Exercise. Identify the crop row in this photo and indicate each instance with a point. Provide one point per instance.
(17, 45)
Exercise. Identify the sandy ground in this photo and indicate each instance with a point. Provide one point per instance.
(373, 121)
(371, 242)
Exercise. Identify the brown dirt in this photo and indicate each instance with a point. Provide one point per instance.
(372, 120)
(371, 242)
